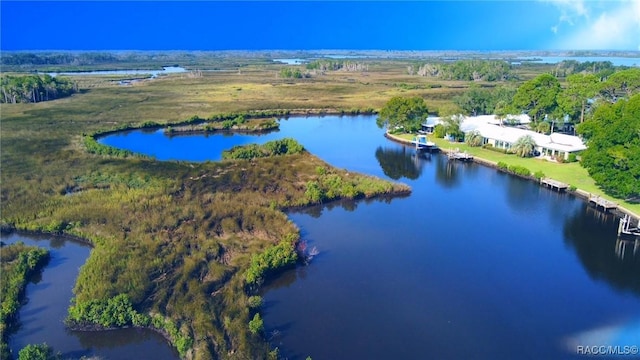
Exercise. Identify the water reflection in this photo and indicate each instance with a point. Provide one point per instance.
(397, 163)
(447, 172)
(593, 236)
(627, 248)
(316, 211)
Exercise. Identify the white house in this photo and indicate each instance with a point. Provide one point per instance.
(503, 137)
(556, 144)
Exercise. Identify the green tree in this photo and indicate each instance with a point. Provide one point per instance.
(473, 138)
(623, 83)
(524, 146)
(613, 154)
(537, 97)
(580, 88)
(406, 113)
(543, 127)
(475, 101)
(37, 352)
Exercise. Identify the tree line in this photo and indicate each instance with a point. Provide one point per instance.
(334, 65)
(34, 88)
(466, 70)
(57, 58)
(544, 98)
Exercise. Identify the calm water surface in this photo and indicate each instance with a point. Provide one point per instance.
(48, 295)
(475, 264)
(154, 73)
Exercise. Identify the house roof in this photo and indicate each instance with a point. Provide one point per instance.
(558, 142)
(469, 123)
(488, 126)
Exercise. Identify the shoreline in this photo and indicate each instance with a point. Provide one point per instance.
(582, 194)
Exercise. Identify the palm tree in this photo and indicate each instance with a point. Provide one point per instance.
(473, 138)
(524, 146)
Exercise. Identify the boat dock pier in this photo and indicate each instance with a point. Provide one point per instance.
(457, 155)
(603, 203)
(553, 184)
(625, 228)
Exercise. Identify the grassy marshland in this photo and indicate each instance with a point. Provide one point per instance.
(181, 239)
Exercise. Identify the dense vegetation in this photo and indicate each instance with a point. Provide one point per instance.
(34, 88)
(77, 59)
(466, 70)
(403, 114)
(37, 352)
(286, 146)
(291, 73)
(601, 69)
(483, 101)
(613, 154)
(118, 312)
(334, 65)
(18, 263)
(272, 258)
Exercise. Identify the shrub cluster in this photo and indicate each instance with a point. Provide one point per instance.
(331, 186)
(286, 146)
(357, 111)
(519, 170)
(119, 312)
(439, 131)
(492, 148)
(538, 174)
(37, 352)
(94, 147)
(272, 258)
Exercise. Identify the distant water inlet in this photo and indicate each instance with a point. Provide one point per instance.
(153, 73)
(475, 263)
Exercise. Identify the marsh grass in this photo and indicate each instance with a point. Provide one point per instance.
(177, 237)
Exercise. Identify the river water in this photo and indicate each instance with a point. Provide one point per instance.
(473, 264)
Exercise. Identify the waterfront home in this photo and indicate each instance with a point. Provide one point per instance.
(499, 136)
(554, 145)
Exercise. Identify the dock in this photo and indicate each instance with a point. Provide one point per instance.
(457, 155)
(554, 184)
(603, 203)
(625, 228)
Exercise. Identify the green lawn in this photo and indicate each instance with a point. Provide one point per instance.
(570, 173)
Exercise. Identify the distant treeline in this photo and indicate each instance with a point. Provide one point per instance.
(57, 58)
(499, 70)
(333, 65)
(602, 69)
(466, 70)
(34, 88)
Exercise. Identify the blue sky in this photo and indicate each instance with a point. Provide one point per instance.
(291, 25)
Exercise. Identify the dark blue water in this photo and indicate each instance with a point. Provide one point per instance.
(48, 298)
(474, 264)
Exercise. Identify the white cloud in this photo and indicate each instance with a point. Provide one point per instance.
(570, 10)
(603, 25)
